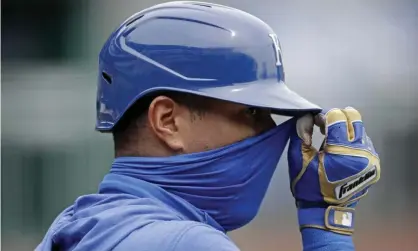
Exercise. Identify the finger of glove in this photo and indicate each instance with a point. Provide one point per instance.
(355, 126)
(304, 128)
(319, 121)
(356, 131)
(336, 127)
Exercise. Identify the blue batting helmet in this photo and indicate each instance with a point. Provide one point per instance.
(193, 47)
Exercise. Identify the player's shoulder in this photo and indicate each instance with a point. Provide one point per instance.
(177, 236)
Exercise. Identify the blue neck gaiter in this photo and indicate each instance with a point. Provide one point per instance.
(228, 183)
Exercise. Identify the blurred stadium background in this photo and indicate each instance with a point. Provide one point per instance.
(336, 53)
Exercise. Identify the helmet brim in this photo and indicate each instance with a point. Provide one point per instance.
(270, 94)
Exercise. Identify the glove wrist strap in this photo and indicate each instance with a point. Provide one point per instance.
(333, 218)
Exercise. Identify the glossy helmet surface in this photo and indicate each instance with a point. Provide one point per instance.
(193, 47)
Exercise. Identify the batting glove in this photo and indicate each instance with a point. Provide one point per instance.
(327, 184)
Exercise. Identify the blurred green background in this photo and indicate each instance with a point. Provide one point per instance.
(336, 53)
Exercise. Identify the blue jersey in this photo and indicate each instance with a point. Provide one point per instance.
(131, 214)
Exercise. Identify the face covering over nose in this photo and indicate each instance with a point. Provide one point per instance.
(228, 183)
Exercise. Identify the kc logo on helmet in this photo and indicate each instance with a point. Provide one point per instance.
(277, 49)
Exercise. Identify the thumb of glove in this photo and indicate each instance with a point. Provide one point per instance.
(301, 152)
(304, 129)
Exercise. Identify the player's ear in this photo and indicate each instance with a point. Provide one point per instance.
(164, 117)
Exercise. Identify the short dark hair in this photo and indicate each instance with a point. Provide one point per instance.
(136, 115)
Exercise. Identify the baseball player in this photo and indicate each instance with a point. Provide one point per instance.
(187, 89)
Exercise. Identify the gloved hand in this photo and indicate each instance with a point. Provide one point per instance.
(328, 183)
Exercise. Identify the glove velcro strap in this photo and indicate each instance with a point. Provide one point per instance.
(335, 219)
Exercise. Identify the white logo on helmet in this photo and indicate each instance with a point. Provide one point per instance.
(277, 49)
